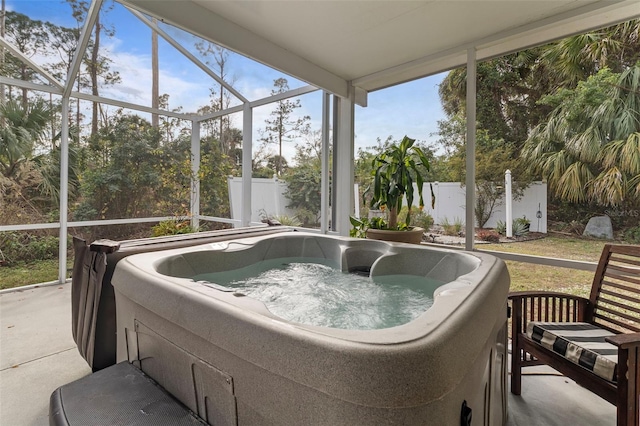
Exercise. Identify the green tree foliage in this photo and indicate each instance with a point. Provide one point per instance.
(514, 108)
(217, 58)
(215, 168)
(132, 172)
(304, 181)
(97, 65)
(363, 169)
(29, 168)
(24, 130)
(30, 38)
(120, 178)
(493, 158)
(575, 58)
(589, 149)
(509, 87)
(282, 126)
(394, 172)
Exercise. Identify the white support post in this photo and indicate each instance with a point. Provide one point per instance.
(195, 175)
(344, 157)
(247, 152)
(64, 190)
(324, 174)
(508, 198)
(276, 195)
(470, 182)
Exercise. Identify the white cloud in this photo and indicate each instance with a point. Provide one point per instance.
(135, 72)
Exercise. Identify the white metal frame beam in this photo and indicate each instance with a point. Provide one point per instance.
(257, 103)
(85, 36)
(93, 98)
(195, 175)
(470, 178)
(247, 169)
(598, 14)
(343, 157)
(92, 15)
(210, 26)
(324, 173)
(188, 54)
(26, 60)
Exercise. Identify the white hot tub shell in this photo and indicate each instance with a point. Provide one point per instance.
(232, 361)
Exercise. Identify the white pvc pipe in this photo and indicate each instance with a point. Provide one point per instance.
(508, 201)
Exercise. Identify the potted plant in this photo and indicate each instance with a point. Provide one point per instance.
(395, 170)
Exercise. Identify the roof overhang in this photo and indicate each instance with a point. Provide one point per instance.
(352, 47)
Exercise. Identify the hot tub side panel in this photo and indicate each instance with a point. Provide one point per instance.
(226, 389)
(274, 372)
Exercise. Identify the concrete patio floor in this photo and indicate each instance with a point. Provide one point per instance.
(38, 354)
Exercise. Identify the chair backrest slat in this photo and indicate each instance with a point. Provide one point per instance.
(625, 260)
(614, 325)
(620, 295)
(615, 294)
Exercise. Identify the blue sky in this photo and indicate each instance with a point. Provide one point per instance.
(412, 108)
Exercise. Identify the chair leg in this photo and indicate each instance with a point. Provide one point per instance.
(516, 366)
(628, 386)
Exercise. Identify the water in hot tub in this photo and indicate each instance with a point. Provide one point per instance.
(314, 292)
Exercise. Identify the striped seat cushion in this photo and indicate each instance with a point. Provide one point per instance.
(580, 343)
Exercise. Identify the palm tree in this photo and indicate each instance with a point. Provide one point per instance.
(575, 58)
(589, 149)
(23, 139)
(25, 128)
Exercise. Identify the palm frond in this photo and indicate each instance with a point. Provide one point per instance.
(571, 186)
(608, 188)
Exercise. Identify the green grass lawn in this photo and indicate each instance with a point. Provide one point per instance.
(527, 276)
(30, 273)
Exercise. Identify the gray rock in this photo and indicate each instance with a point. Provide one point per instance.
(599, 227)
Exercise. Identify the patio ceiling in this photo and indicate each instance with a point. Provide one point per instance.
(375, 44)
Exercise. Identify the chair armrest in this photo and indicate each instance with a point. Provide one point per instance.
(625, 340)
(547, 306)
(534, 294)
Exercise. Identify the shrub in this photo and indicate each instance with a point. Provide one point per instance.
(288, 221)
(172, 227)
(422, 219)
(454, 228)
(26, 247)
(632, 235)
(519, 227)
(488, 235)
(575, 227)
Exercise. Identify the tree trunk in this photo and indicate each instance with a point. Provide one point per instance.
(393, 218)
(155, 90)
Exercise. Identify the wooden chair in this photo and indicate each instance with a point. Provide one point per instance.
(595, 341)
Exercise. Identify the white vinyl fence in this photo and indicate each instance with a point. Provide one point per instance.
(267, 196)
(450, 204)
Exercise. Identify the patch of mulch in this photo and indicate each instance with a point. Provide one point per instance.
(435, 235)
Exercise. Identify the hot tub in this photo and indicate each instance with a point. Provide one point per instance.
(211, 342)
